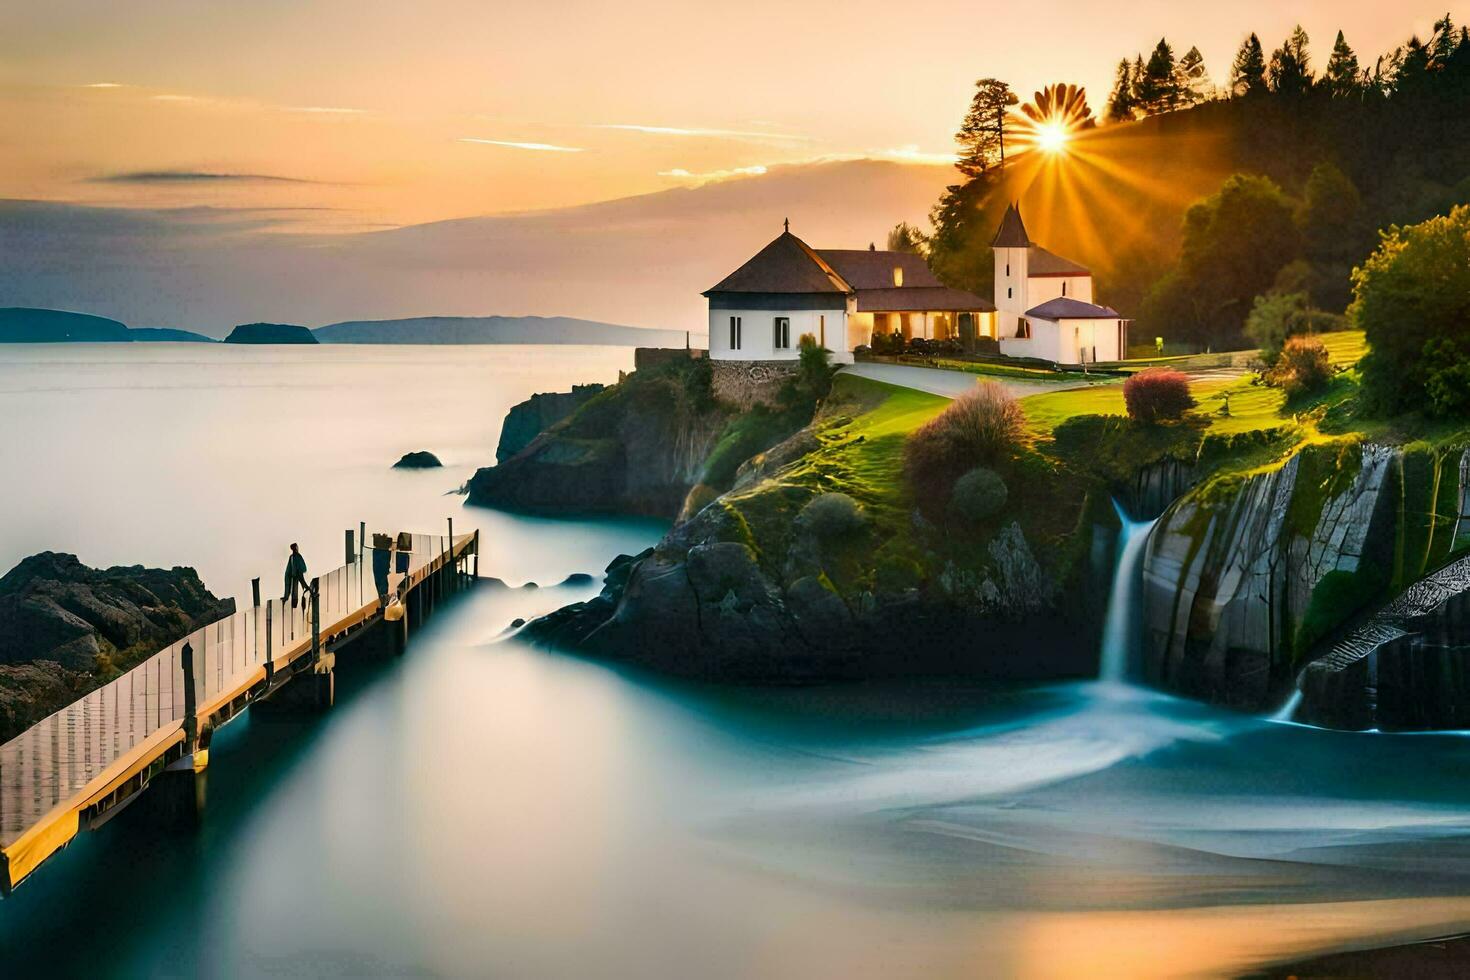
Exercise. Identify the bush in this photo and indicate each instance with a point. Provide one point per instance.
(982, 426)
(1447, 377)
(1157, 394)
(814, 368)
(1274, 318)
(832, 516)
(1302, 368)
(978, 495)
(1413, 291)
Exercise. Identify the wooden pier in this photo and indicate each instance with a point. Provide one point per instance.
(150, 729)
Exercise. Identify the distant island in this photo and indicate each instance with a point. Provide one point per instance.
(270, 333)
(495, 330)
(22, 325)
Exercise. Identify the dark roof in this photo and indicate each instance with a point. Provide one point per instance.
(787, 265)
(867, 269)
(1012, 231)
(1040, 262)
(1067, 308)
(919, 299)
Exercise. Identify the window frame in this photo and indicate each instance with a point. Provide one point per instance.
(781, 333)
(736, 330)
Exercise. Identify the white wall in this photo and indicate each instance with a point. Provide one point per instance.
(1065, 341)
(1039, 289)
(757, 334)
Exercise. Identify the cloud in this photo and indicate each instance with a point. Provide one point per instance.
(193, 177)
(104, 85)
(912, 153)
(323, 110)
(679, 173)
(178, 98)
(715, 133)
(543, 147)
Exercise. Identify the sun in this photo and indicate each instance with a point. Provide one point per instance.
(1052, 137)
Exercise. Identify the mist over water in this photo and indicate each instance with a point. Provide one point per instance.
(479, 808)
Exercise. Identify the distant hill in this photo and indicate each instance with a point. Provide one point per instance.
(270, 333)
(169, 335)
(21, 325)
(495, 330)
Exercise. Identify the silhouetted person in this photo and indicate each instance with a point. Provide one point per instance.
(295, 576)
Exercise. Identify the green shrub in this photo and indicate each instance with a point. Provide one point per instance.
(832, 516)
(983, 426)
(1446, 366)
(1157, 395)
(978, 495)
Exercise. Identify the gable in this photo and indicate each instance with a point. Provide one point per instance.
(786, 265)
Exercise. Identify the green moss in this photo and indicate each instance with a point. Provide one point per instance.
(1324, 473)
(1417, 476)
(1336, 599)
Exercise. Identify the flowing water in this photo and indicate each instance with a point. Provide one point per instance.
(479, 808)
(1122, 629)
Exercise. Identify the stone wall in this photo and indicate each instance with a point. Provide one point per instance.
(648, 357)
(747, 383)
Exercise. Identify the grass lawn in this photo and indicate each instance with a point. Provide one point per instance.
(1251, 406)
(1344, 347)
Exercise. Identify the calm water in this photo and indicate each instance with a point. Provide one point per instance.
(482, 809)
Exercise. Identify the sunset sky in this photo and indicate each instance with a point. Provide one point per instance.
(357, 115)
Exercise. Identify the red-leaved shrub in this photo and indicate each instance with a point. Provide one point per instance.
(982, 426)
(1157, 394)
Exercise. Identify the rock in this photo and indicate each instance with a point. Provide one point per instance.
(538, 413)
(270, 333)
(530, 587)
(636, 448)
(1246, 584)
(421, 460)
(577, 578)
(62, 618)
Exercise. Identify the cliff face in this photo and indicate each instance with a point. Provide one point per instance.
(1247, 578)
(65, 627)
(764, 585)
(537, 414)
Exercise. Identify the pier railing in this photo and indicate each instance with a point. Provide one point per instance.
(78, 762)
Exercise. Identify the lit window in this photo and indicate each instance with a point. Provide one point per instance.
(898, 275)
(781, 338)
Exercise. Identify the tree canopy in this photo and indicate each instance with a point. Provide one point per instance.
(983, 132)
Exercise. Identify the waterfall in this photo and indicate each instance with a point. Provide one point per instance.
(1121, 629)
(1289, 708)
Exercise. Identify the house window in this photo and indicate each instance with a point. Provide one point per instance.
(1023, 329)
(734, 333)
(1064, 287)
(898, 275)
(1008, 270)
(822, 329)
(1008, 292)
(781, 338)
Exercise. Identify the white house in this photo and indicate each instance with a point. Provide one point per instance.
(1045, 306)
(840, 296)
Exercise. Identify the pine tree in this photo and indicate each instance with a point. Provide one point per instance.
(1158, 90)
(1445, 40)
(1248, 71)
(1120, 102)
(1191, 79)
(983, 132)
(1290, 72)
(1342, 78)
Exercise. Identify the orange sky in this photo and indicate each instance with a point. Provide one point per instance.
(370, 114)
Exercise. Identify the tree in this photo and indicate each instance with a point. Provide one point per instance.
(1158, 88)
(1248, 71)
(1334, 235)
(1191, 78)
(1273, 318)
(1342, 78)
(1234, 243)
(1121, 104)
(1290, 71)
(904, 237)
(1412, 299)
(983, 132)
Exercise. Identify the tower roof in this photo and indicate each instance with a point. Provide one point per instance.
(1012, 231)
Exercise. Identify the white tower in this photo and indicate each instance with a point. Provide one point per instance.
(1010, 246)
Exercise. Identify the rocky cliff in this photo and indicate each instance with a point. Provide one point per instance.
(785, 579)
(65, 627)
(537, 414)
(1247, 577)
(636, 448)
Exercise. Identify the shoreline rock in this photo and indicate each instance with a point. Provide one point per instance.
(419, 460)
